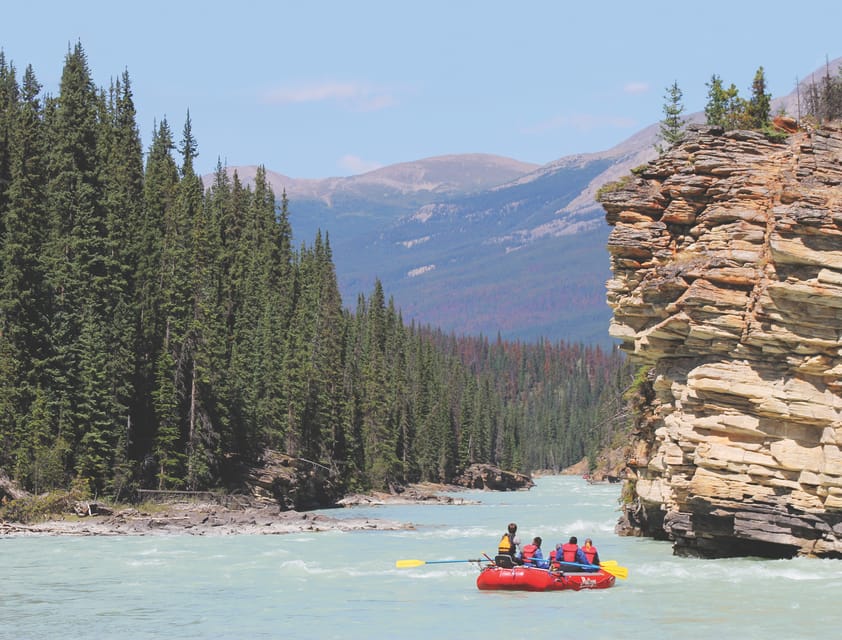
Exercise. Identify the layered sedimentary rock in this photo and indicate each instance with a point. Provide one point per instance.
(726, 255)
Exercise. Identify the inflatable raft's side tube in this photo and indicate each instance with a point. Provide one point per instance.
(532, 579)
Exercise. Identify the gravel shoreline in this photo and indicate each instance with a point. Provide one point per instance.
(205, 519)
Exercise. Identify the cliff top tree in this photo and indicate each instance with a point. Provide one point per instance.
(672, 126)
(760, 103)
(717, 103)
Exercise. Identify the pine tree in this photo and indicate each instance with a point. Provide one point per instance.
(8, 109)
(77, 256)
(759, 105)
(735, 111)
(326, 393)
(273, 269)
(22, 312)
(379, 436)
(672, 126)
(203, 331)
(122, 178)
(225, 205)
(175, 398)
(716, 107)
(157, 405)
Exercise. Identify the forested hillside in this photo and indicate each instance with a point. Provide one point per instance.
(156, 334)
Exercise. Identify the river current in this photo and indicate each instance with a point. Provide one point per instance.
(346, 585)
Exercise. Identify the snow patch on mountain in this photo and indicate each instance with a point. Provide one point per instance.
(413, 273)
(408, 244)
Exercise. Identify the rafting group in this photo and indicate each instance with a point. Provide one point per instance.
(517, 568)
(568, 566)
(564, 556)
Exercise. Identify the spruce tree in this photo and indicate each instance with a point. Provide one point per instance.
(326, 391)
(157, 405)
(175, 397)
(717, 104)
(672, 126)
(8, 109)
(23, 310)
(122, 178)
(273, 269)
(379, 434)
(77, 256)
(203, 331)
(759, 105)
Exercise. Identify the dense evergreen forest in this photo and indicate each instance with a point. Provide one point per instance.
(153, 331)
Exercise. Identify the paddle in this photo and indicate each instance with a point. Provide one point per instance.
(406, 564)
(615, 569)
(609, 566)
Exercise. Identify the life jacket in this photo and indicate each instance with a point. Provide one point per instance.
(590, 553)
(528, 551)
(506, 546)
(568, 550)
(552, 555)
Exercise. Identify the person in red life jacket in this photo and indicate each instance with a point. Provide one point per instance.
(509, 543)
(532, 554)
(570, 552)
(590, 552)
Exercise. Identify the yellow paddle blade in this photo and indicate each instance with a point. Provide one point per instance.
(406, 564)
(614, 569)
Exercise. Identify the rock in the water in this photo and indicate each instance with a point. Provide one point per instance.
(486, 476)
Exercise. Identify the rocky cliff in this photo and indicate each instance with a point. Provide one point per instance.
(726, 255)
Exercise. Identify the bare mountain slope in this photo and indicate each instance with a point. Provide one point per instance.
(438, 176)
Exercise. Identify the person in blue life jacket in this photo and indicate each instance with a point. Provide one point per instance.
(533, 556)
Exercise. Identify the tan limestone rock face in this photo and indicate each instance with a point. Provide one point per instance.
(726, 255)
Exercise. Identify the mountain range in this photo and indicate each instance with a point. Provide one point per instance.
(476, 243)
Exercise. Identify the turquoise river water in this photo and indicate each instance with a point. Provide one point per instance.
(345, 585)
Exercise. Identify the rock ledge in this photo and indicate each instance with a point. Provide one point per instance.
(726, 255)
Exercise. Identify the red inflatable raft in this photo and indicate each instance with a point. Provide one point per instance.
(534, 579)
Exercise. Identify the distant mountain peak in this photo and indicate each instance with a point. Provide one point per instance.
(441, 175)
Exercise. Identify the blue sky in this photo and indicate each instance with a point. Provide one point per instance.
(313, 89)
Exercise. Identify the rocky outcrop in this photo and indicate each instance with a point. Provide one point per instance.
(293, 483)
(726, 255)
(486, 476)
(9, 490)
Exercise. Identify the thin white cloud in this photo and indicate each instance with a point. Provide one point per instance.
(580, 122)
(356, 165)
(377, 102)
(635, 88)
(350, 94)
(313, 93)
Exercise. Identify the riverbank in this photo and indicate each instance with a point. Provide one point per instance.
(205, 519)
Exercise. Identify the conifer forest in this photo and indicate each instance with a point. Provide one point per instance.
(154, 331)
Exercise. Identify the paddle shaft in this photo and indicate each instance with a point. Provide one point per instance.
(445, 561)
(609, 567)
(578, 564)
(406, 564)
